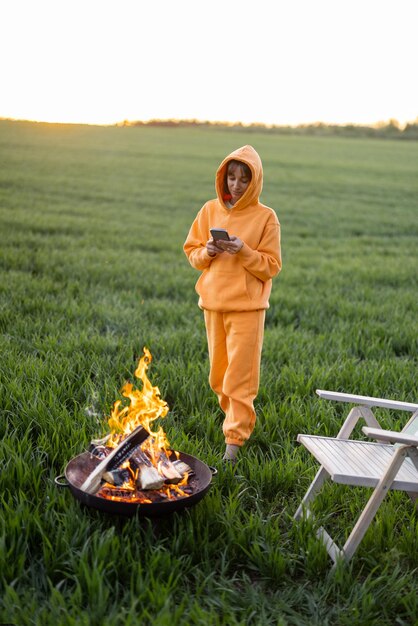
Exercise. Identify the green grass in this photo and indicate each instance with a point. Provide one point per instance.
(92, 223)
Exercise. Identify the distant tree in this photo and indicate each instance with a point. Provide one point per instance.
(411, 130)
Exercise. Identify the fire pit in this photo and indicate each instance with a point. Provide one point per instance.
(133, 469)
(82, 465)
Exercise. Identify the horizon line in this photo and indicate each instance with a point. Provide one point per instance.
(196, 121)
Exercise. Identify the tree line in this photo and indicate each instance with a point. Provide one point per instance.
(391, 129)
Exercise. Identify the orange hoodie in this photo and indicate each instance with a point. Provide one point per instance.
(242, 281)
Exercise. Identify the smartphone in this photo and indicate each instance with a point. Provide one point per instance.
(219, 233)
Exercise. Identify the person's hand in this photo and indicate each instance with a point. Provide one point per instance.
(212, 249)
(232, 246)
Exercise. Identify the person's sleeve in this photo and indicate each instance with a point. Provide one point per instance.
(265, 262)
(195, 244)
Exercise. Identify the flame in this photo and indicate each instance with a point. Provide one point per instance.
(144, 407)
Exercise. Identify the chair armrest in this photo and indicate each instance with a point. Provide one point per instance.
(367, 401)
(390, 435)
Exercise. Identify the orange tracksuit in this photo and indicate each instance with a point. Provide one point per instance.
(234, 290)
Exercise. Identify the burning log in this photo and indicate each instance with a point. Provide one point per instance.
(118, 455)
(117, 477)
(100, 442)
(168, 470)
(148, 476)
(183, 468)
(171, 475)
(98, 447)
(100, 452)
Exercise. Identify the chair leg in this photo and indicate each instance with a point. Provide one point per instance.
(304, 509)
(334, 552)
(321, 476)
(373, 504)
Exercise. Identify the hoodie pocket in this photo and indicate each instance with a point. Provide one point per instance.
(219, 289)
(254, 286)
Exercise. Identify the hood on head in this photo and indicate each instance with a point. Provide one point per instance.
(247, 155)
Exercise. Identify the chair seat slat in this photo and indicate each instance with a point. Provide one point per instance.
(359, 462)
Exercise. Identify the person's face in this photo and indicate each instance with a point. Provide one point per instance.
(237, 182)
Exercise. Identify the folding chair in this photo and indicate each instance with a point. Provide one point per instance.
(380, 465)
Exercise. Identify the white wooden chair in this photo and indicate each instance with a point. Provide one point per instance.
(391, 463)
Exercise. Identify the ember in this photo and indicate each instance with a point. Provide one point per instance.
(137, 464)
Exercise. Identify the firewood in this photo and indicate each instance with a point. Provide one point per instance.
(100, 452)
(117, 477)
(183, 468)
(100, 442)
(147, 475)
(138, 458)
(149, 478)
(168, 470)
(118, 455)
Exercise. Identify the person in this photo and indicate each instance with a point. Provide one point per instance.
(234, 287)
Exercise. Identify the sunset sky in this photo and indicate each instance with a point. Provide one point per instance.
(269, 61)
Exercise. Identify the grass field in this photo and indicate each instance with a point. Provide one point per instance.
(92, 223)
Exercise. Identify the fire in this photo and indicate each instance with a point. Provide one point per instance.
(144, 407)
(153, 462)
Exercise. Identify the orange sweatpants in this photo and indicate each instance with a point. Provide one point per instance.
(235, 341)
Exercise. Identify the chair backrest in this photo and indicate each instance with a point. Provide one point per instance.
(411, 427)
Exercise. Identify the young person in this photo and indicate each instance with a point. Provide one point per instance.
(234, 287)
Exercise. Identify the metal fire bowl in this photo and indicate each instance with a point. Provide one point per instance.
(82, 465)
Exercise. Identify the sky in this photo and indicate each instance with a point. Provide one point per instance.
(266, 61)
